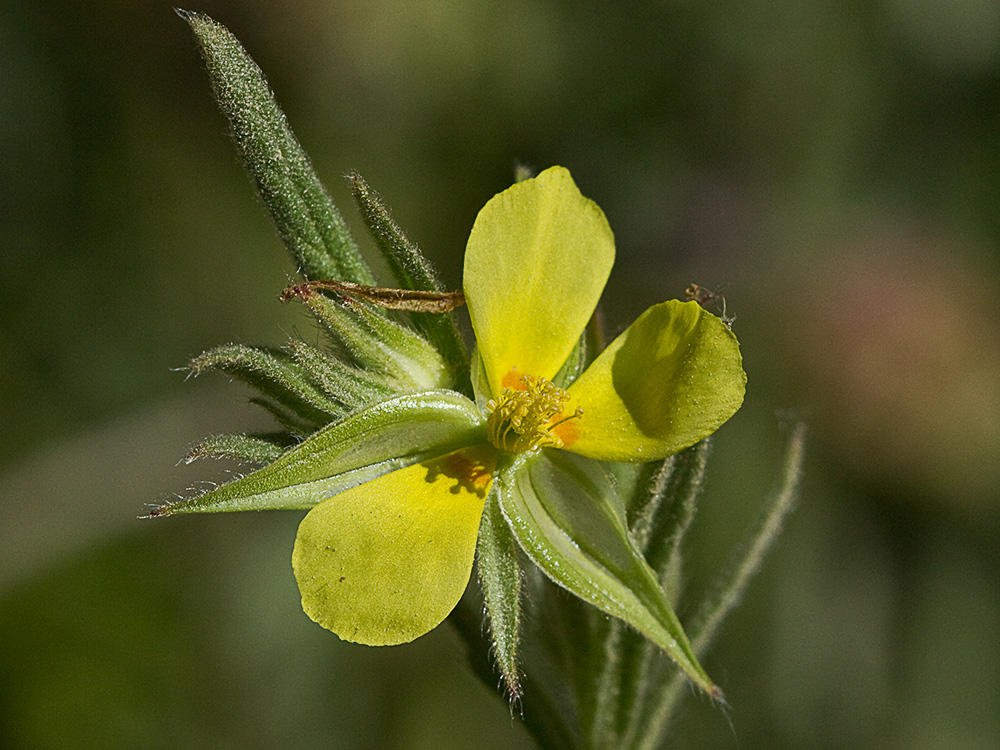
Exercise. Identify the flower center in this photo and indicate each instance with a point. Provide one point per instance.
(523, 418)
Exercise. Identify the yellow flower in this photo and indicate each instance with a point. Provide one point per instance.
(387, 560)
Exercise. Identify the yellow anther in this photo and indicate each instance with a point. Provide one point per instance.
(521, 419)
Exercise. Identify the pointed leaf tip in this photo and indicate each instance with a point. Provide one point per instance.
(366, 445)
(306, 219)
(500, 579)
(566, 514)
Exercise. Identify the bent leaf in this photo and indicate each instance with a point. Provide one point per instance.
(274, 373)
(387, 561)
(568, 517)
(385, 437)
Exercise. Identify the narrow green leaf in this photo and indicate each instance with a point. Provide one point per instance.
(411, 271)
(547, 711)
(387, 436)
(276, 375)
(404, 259)
(646, 500)
(500, 578)
(413, 359)
(634, 484)
(376, 343)
(634, 687)
(294, 425)
(350, 385)
(659, 528)
(567, 516)
(350, 337)
(730, 586)
(243, 447)
(305, 216)
(556, 635)
(602, 697)
(666, 518)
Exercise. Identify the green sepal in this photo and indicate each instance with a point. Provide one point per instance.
(568, 517)
(659, 520)
(377, 344)
(411, 358)
(600, 695)
(555, 637)
(648, 730)
(306, 219)
(350, 385)
(411, 271)
(253, 448)
(500, 579)
(660, 530)
(390, 435)
(294, 426)
(276, 375)
(477, 376)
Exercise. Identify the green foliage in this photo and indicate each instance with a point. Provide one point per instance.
(251, 448)
(308, 222)
(393, 434)
(569, 519)
(277, 376)
(501, 580)
(407, 481)
(593, 681)
(410, 270)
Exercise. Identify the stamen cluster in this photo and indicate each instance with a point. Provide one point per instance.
(520, 419)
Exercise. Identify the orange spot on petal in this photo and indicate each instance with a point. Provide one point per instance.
(513, 380)
(568, 432)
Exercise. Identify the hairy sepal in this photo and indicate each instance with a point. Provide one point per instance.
(303, 213)
(359, 448)
(500, 579)
(567, 516)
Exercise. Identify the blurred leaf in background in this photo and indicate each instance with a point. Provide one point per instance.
(833, 169)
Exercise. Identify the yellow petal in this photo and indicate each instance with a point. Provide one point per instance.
(673, 377)
(387, 561)
(537, 261)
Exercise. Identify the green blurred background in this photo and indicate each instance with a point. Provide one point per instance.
(832, 167)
